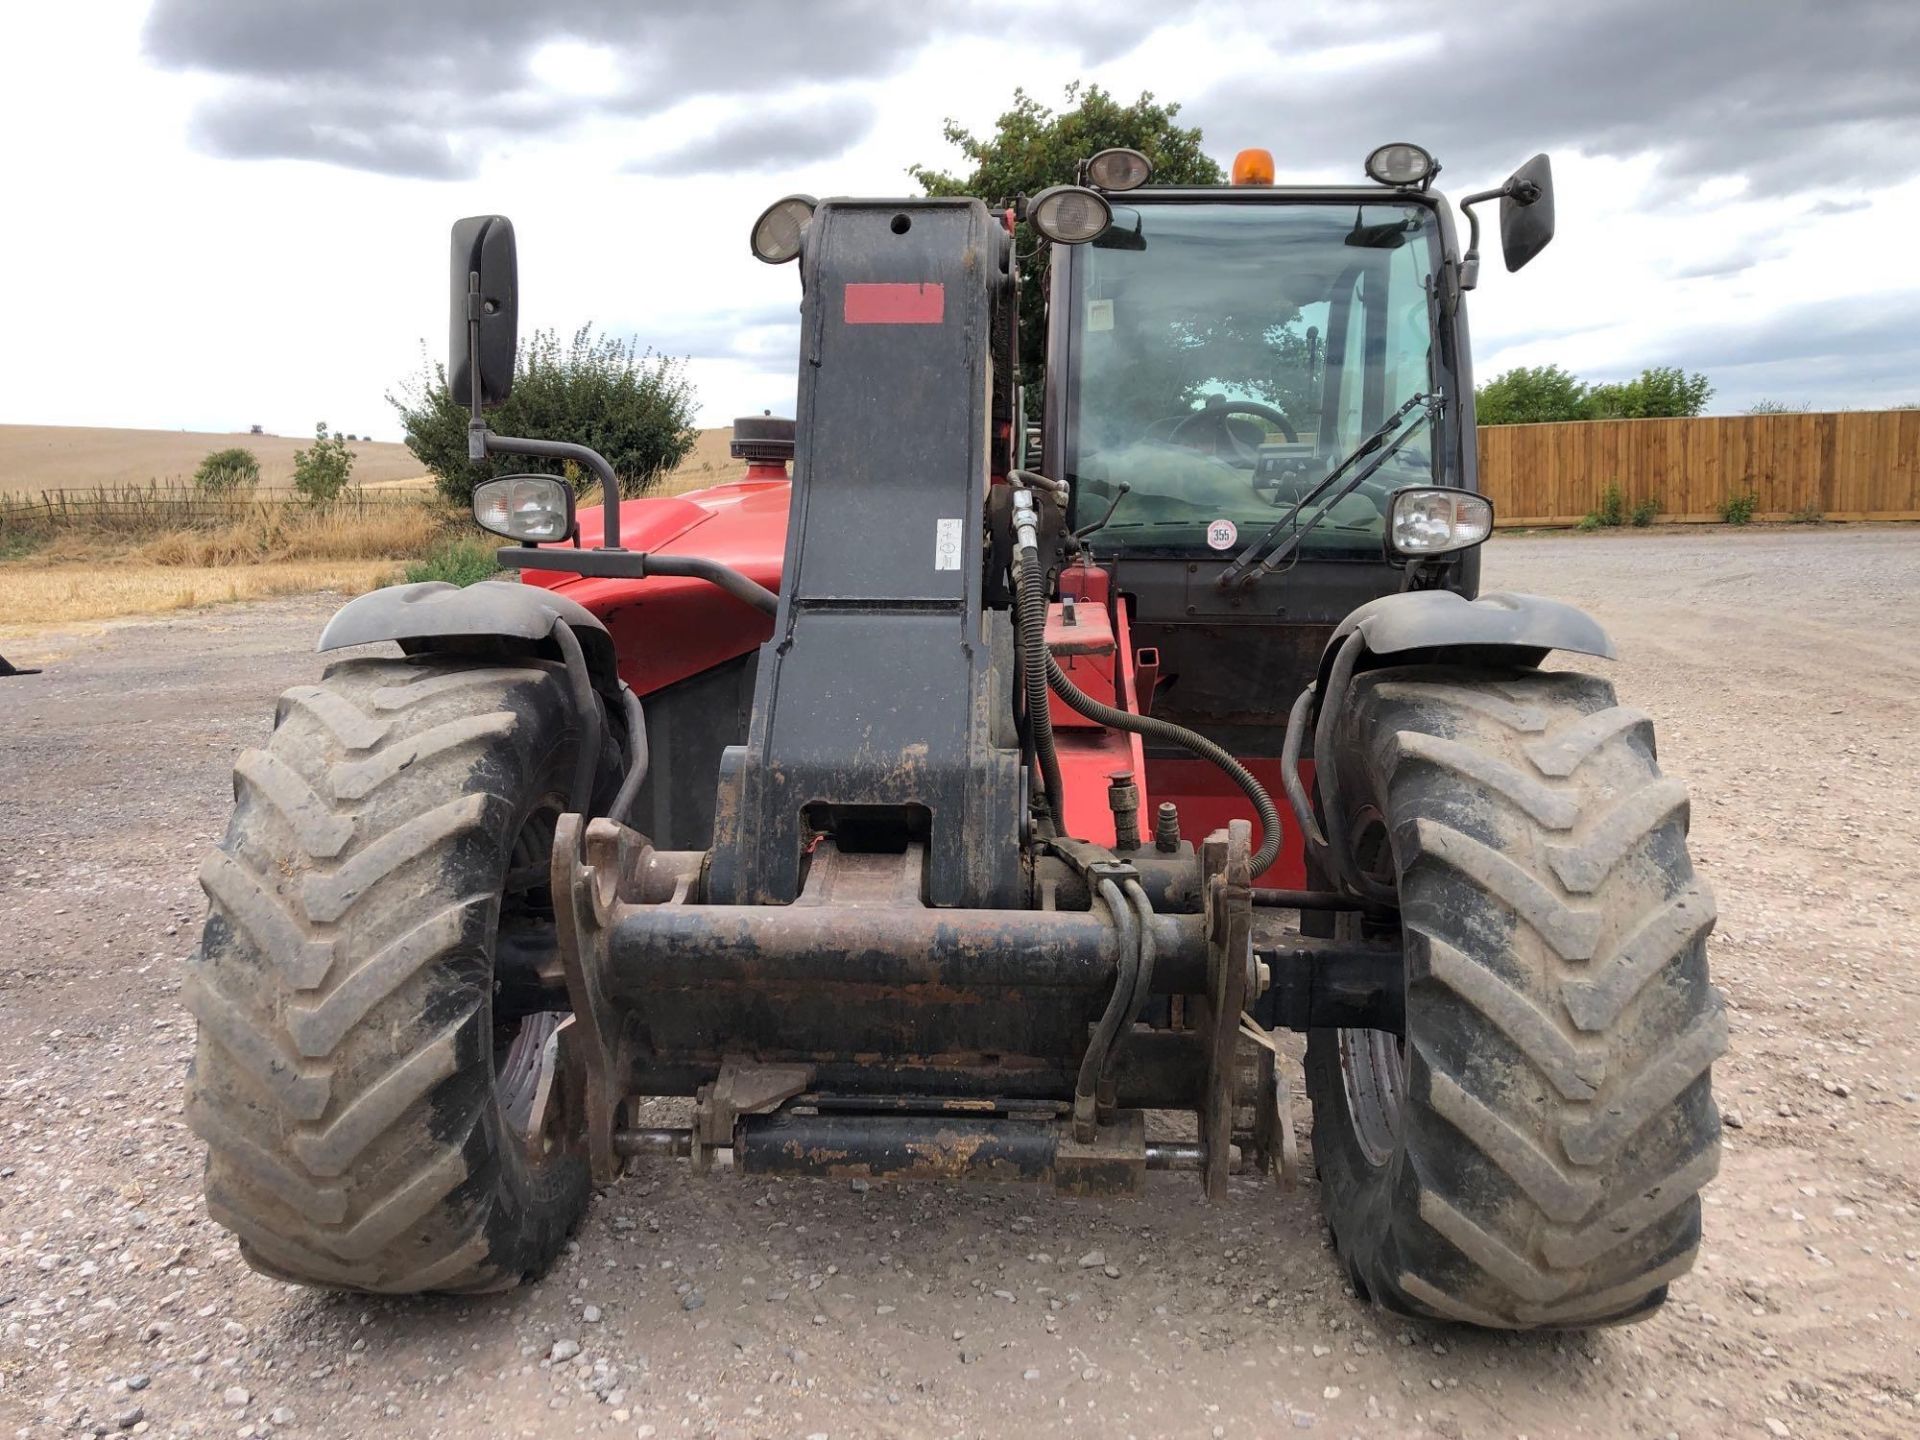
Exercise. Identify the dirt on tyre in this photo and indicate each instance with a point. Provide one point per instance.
(1531, 1154)
(363, 1082)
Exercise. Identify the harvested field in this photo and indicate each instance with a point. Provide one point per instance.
(54, 457)
(736, 1307)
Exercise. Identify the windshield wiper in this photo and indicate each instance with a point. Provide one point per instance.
(1244, 571)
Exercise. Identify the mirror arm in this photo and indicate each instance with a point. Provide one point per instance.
(587, 459)
(1470, 262)
(482, 442)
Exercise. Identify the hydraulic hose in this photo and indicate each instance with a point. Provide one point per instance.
(1034, 663)
(637, 757)
(1152, 729)
(1119, 1011)
(1143, 979)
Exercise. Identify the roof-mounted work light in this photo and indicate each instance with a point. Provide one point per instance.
(1118, 169)
(1402, 163)
(1069, 214)
(776, 234)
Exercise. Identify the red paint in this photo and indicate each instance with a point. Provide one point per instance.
(1208, 800)
(873, 304)
(666, 628)
(1089, 753)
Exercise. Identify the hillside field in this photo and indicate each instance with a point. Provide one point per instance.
(72, 457)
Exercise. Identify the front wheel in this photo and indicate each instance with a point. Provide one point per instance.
(1531, 1152)
(375, 1067)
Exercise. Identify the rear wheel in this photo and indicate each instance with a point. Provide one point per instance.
(374, 1082)
(1530, 1154)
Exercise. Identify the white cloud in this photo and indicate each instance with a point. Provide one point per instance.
(155, 282)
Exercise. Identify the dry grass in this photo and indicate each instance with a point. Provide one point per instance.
(53, 457)
(81, 575)
(266, 535)
(706, 464)
(36, 596)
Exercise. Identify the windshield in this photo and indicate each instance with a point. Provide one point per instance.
(1227, 355)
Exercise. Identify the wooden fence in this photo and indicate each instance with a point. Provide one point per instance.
(142, 509)
(1854, 465)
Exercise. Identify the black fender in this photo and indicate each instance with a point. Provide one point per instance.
(422, 616)
(1415, 626)
(1517, 629)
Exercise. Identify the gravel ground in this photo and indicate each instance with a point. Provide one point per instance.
(1783, 671)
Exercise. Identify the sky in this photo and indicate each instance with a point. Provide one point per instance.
(226, 212)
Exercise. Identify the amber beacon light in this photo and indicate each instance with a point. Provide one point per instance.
(1253, 167)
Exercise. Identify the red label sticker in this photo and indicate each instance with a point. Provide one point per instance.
(1221, 534)
(895, 304)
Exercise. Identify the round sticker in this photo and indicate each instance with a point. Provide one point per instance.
(1221, 534)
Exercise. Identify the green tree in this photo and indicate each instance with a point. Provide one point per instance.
(1659, 392)
(1032, 146)
(1531, 395)
(233, 471)
(320, 474)
(634, 407)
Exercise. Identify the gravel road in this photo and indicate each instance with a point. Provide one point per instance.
(1784, 673)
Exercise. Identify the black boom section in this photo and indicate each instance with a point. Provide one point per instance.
(879, 707)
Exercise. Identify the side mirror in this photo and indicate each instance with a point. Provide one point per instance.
(1526, 212)
(483, 329)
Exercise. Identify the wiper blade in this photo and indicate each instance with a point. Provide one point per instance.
(1244, 571)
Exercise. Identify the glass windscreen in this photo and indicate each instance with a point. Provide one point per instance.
(1228, 355)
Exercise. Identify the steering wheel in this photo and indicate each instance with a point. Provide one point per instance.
(1218, 408)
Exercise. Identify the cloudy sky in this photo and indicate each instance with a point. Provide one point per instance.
(227, 212)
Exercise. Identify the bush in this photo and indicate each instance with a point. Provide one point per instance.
(634, 407)
(1610, 514)
(459, 560)
(1588, 522)
(1738, 509)
(1809, 514)
(232, 471)
(320, 474)
(1644, 512)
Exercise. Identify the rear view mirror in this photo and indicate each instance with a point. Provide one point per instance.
(1526, 212)
(484, 311)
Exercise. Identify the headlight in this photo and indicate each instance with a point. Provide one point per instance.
(1434, 522)
(528, 508)
(1069, 214)
(776, 234)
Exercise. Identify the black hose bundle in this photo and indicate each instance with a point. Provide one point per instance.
(1034, 660)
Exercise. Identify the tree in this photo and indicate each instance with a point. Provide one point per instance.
(232, 471)
(634, 407)
(1530, 395)
(320, 474)
(1660, 392)
(1032, 147)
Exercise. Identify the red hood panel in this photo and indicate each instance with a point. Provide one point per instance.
(664, 628)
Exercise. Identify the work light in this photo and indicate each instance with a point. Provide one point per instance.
(528, 508)
(1069, 214)
(1119, 169)
(1434, 522)
(776, 234)
(1400, 163)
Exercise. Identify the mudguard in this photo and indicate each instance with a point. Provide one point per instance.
(416, 615)
(1524, 626)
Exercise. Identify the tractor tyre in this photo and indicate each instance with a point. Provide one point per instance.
(1531, 1153)
(364, 1080)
